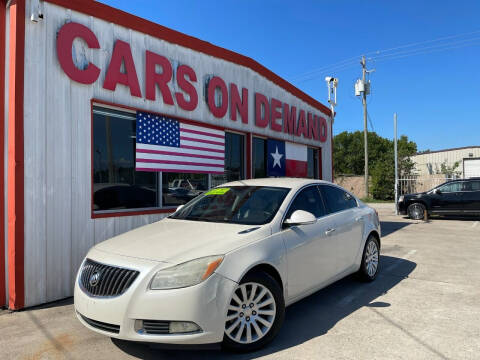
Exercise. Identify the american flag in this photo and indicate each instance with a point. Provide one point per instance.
(165, 144)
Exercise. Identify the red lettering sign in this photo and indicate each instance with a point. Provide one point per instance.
(289, 119)
(187, 87)
(214, 84)
(122, 54)
(65, 38)
(276, 115)
(153, 78)
(302, 125)
(238, 105)
(261, 103)
(323, 129)
(280, 117)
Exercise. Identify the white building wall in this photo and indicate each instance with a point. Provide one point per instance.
(429, 163)
(57, 121)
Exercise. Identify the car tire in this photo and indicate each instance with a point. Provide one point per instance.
(370, 260)
(416, 211)
(252, 324)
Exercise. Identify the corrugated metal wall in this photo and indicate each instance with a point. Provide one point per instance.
(429, 163)
(58, 225)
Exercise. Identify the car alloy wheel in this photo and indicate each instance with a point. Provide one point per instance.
(416, 211)
(251, 313)
(371, 258)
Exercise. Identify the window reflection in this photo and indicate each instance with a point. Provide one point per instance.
(259, 158)
(312, 159)
(234, 160)
(178, 189)
(116, 184)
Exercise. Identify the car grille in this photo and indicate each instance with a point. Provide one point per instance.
(101, 325)
(156, 327)
(109, 280)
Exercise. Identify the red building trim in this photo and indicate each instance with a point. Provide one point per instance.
(16, 286)
(107, 13)
(2, 144)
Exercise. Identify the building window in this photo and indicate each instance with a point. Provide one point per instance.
(234, 160)
(116, 184)
(259, 157)
(312, 159)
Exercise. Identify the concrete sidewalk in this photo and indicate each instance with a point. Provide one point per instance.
(424, 305)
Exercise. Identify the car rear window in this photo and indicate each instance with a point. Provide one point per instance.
(473, 185)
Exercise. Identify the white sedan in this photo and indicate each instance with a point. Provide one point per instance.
(223, 268)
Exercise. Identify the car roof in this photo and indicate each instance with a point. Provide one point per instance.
(285, 182)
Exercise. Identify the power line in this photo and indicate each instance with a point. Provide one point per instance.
(422, 52)
(439, 46)
(332, 67)
(426, 42)
(391, 53)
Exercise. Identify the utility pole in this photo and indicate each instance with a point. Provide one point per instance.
(332, 84)
(396, 160)
(362, 88)
(365, 129)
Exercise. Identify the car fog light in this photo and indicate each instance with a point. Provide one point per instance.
(138, 326)
(183, 327)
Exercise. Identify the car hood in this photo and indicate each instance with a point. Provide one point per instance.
(176, 241)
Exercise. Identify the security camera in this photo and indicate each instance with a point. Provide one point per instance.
(329, 78)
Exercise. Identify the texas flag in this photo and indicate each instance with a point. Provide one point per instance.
(286, 159)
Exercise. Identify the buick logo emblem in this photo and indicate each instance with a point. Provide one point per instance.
(94, 279)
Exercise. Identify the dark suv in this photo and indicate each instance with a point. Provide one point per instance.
(457, 197)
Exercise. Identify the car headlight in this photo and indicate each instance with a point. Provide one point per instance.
(400, 199)
(187, 274)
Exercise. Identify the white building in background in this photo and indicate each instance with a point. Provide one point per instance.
(430, 163)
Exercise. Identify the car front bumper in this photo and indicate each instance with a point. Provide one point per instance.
(204, 304)
(402, 208)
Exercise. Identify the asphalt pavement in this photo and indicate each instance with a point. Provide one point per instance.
(425, 304)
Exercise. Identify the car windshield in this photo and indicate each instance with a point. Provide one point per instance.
(251, 205)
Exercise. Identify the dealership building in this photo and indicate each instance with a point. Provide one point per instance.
(111, 121)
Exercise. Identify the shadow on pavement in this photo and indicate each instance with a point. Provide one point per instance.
(389, 227)
(307, 319)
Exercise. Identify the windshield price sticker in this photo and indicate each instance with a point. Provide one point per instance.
(220, 191)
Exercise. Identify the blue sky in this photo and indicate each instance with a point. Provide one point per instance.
(435, 94)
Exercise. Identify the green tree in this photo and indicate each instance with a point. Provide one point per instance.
(349, 159)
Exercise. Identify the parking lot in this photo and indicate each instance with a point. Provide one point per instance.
(425, 304)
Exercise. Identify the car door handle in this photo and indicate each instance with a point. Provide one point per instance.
(357, 219)
(329, 231)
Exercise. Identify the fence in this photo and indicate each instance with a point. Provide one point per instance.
(417, 184)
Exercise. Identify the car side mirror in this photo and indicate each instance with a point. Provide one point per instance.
(179, 207)
(437, 191)
(300, 217)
